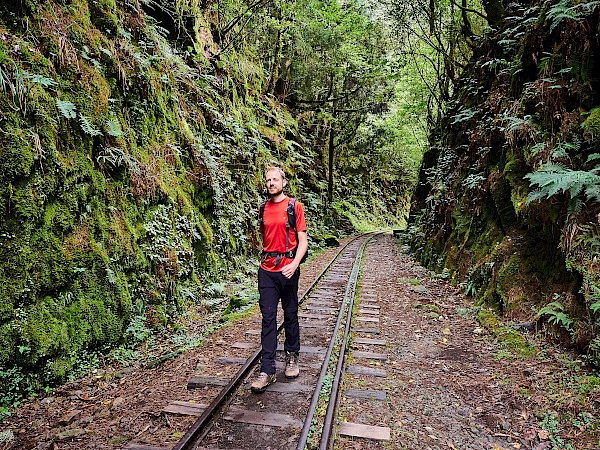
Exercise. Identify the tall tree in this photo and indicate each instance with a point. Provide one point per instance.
(439, 33)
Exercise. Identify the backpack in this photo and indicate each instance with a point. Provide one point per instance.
(290, 222)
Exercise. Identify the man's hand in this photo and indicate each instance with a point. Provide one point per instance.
(289, 270)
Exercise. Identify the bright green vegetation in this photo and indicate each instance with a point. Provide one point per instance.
(133, 140)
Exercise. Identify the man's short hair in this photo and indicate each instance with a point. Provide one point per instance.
(278, 169)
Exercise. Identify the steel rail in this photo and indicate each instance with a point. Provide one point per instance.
(348, 300)
(327, 433)
(200, 427)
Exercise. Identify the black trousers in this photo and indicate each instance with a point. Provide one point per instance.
(273, 286)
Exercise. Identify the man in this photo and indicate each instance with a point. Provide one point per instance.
(278, 278)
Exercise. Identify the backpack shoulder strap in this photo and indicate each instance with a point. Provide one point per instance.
(261, 211)
(292, 213)
(261, 214)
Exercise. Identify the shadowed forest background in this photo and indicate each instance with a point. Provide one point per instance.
(134, 135)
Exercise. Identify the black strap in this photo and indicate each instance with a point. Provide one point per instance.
(291, 255)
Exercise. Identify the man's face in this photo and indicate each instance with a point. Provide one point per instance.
(275, 183)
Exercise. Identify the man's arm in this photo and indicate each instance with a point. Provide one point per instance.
(289, 270)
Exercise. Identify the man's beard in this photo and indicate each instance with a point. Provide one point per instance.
(275, 193)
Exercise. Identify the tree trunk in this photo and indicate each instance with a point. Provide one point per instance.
(494, 10)
(275, 65)
(331, 149)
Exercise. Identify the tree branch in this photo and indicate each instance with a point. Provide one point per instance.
(328, 100)
(463, 8)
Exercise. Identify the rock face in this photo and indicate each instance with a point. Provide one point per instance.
(509, 191)
(117, 156)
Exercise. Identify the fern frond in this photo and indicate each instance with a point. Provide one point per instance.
(575, 206)
(67, 108)
(559, 13)
(39, 79)
(562, 11)
(593, 193)
(113, 127)
(87, 126)
(535, 149)
(554, 178)
(464, 114)
(535, 195)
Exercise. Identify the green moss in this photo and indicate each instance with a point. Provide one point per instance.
(103, 14)
(510, 339)
(17, 155)
(508, 275)
(3, 54)
(413, 281)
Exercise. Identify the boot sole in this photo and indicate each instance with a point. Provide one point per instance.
(291, 377)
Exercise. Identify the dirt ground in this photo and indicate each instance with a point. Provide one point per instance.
(449, 384)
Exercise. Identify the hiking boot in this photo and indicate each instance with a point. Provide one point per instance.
(291, 365)
(261, 382)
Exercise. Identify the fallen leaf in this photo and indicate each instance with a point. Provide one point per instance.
(543, 435)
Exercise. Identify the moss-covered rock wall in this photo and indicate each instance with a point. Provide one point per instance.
(130, 170)
(508, 195)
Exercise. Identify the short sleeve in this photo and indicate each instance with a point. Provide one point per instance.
(300, 221)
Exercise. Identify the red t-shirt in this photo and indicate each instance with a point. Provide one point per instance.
(273, 232)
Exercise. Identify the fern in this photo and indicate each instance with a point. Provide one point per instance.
(67, 108)
(593, 193)
(87, 126)
(113, 127)
(563, 149)
(556, 315)
(464, 115)
(561, 11)
(535, 149)
(473, 181)
(39, 79)
(554, 178)
(117, 157)
(516, 123)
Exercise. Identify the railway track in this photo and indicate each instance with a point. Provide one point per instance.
(299, 413)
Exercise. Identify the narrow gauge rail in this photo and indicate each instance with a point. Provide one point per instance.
(282, 417)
